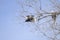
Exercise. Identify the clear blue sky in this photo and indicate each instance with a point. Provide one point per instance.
(10, 29)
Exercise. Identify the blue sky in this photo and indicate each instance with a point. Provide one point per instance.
(10, 26)
(10, 29)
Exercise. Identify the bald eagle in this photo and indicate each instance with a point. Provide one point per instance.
(29, 18)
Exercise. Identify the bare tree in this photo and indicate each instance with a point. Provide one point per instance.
(44, 21)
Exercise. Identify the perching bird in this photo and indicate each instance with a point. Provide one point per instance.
(29, 18)
(54, 16)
